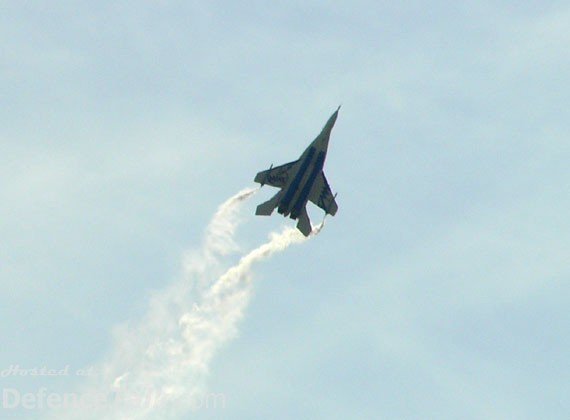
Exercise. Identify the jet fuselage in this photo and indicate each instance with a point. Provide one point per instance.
(310, 164)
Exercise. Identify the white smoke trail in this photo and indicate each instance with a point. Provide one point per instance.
(219, 237)
(158, 368)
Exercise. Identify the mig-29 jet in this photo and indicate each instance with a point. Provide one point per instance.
(301, 181)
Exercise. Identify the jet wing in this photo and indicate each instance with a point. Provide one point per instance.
(276, 177)
(322, 196)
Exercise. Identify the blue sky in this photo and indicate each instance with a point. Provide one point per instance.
(440, 289)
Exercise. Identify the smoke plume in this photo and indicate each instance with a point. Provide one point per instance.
(158, 366)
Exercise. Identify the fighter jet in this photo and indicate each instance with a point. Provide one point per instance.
(300, 181)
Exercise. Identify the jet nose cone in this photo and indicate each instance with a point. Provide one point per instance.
(335, 114)
(330, 123)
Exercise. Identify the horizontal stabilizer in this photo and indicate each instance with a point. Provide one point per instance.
(265, 209)
(304, 224)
